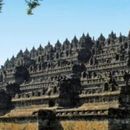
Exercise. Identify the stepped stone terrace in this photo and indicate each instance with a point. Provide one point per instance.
(81, 84)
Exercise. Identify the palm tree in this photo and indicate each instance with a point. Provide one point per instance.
(1, 4)
(30, 3)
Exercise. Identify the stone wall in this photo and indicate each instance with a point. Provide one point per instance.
(19, 126)
(84, 125)
(119, 124)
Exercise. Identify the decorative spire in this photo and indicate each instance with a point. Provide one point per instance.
(101, 37)
(66, 43)
(49, 47)
(40, 48)
(88, 38)
(20, 54)
(33, 50)
(83, 38)
(83, 35)
(58, 44)
(12, 61)
(75, 40)
(49, 44)
(12, 58)
(112, 35)
(26, 52)
(120, 37)
(6, 62)
(129, 35)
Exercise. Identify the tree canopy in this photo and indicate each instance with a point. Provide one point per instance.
(31, 4)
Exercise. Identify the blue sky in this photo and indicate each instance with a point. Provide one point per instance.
(59, 19)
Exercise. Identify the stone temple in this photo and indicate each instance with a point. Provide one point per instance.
(79, 85)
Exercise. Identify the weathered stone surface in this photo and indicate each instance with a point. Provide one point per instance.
(82, 78)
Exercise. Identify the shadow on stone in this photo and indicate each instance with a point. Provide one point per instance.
(47, 120)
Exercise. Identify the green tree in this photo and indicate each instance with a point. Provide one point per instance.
(1, 4)
(31, 4)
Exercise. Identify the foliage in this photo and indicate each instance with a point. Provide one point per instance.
(1, 5)
(31, 4)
